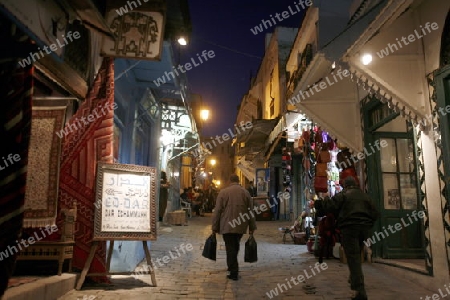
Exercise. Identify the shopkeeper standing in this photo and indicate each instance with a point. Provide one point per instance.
(252, 189)
(163, 195)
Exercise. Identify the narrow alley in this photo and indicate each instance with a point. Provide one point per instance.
(190, 276)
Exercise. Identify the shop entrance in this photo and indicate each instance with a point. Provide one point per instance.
(400, 234)
(393, 182)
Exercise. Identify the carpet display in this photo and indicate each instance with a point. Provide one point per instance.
(41, 194)
(89, 142)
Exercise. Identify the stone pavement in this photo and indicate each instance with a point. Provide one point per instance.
(187, 275)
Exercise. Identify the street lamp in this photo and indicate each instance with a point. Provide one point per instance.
(212, 162)
(366, 59)
(204, 114)
(182, 41)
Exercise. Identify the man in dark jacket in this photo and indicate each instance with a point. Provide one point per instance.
(163, 195)
(355, 218)
(232, 215)
(252, 189)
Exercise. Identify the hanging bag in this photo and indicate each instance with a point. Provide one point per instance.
(210, 248)
(324, 156)
(251, 250)
(321, 169)
(320, 184)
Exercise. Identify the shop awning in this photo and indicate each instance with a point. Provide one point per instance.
(247, 169)
(334, 108)
(294, 124)
(380, 79)
(89, 14)
(337, 47)
(386, 78)
(282, 129)
(255, 137)
(276, 131)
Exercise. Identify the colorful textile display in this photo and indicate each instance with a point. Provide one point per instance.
(82, 149)
(41, 195)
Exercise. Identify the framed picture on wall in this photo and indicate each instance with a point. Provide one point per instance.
(262, 181)
(394, 198)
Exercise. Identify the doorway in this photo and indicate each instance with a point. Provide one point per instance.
(393, 182)
(399, 200)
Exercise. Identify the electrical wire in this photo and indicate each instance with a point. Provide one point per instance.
(230, 49)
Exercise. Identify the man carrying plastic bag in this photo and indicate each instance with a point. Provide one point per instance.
(233, 214)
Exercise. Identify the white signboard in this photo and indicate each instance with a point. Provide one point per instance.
(125, 202)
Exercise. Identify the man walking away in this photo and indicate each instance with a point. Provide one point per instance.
(232, 215)
(355, 217)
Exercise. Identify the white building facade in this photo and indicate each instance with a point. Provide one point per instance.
(379, 72)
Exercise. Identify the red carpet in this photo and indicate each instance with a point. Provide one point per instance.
(82, 149)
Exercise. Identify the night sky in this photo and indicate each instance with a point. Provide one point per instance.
(224, 79)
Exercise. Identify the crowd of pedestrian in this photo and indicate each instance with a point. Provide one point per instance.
(201, 200)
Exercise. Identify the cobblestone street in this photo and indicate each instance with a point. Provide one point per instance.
(190, 276)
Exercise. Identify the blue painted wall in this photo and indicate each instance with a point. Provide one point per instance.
(128, 254)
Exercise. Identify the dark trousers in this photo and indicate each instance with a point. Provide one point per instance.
(163, 195)
(196, 208)
(352, 241)
(232, 242)
(162, 208)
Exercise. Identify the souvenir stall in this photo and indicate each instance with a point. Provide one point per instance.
(325, 164)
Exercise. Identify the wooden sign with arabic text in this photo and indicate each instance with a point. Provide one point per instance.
(125, 206)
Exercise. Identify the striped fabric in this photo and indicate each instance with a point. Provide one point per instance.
(16, 91)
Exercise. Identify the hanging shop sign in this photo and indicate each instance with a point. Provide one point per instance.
(125, 202)
(138, 31)
(262, 181)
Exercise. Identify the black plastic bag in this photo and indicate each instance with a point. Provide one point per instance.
(251, 250)
(210, 248)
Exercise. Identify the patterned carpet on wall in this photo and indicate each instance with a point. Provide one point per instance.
(82, 148)
(41, 194)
